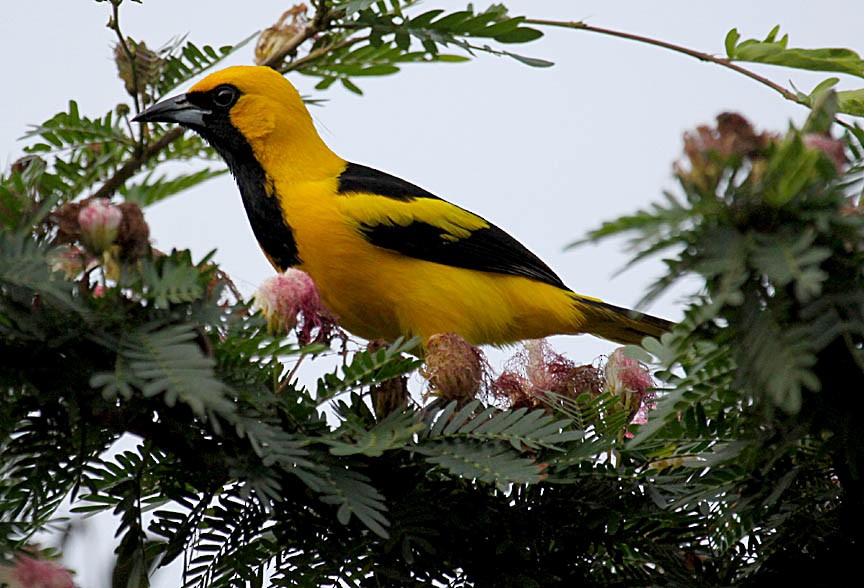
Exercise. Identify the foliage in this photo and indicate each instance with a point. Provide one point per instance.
(764, 408)
(777, 52)
(748, 472)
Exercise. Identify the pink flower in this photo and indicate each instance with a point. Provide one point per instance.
(100, 222)
(834, 149)
(289, 300)
(630, 380)
(70, 260)
(538, 371)
(31, 572)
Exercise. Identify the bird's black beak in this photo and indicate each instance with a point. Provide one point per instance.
(177, 110)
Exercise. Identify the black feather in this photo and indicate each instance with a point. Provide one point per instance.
(488, 249)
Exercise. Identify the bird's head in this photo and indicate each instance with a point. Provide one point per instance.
(241, 107)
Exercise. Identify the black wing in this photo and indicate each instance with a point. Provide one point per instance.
(482, 247)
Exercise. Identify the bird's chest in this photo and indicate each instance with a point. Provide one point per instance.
(347, 270)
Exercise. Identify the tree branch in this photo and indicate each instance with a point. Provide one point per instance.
(297, 63)
(700, 55)
(131, 167)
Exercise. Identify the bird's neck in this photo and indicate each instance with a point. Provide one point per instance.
(294, 153)
(271, 231)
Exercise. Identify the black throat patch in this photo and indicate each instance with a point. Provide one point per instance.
(262, 208)
(262, 205)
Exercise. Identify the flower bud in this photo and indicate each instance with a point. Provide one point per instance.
(455, 368)
(99, 221)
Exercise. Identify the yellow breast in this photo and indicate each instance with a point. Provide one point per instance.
(381, 294)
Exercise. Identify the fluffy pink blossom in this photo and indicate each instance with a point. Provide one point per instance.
(100, 223)
(631, 381)
(290, 300)
(537, 371)
(31, 572)
(834, 149)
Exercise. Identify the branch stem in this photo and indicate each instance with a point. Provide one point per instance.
(700, 55)
(131, 167)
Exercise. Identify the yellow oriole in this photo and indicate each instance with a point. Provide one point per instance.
(389, 258)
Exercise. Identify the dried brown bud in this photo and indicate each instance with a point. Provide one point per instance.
(98, 224)
(133, 235)
(65, 218)
(455, 368)
(273, 39)
(138, 66)
(391, 394)
(708, 150)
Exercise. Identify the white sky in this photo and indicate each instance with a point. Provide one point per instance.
(546, 154)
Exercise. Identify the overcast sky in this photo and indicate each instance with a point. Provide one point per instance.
(546, 154)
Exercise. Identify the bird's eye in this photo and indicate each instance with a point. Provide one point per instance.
(224, 96)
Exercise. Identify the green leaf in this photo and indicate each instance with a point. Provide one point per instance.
(70, 130)
(172, 279)
(393, 432)
(155, 188)
(187, 61)
(851, 101)
(353, 495)
(788, 259)
(823, 108)
(521, 429)
(164, 360)
(368, 368)
(488, 463)
(531, 61)
(24, 267)
(731, 41)
(779, 359)
(519, 35)
(790, 170)
(775, 52)
(354, 6)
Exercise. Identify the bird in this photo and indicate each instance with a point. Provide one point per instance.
(389, 258)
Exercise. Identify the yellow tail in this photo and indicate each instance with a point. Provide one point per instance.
(618, 324)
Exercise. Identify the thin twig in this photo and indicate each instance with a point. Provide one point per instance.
(312, 56)
(115, 26)
(700, 55)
